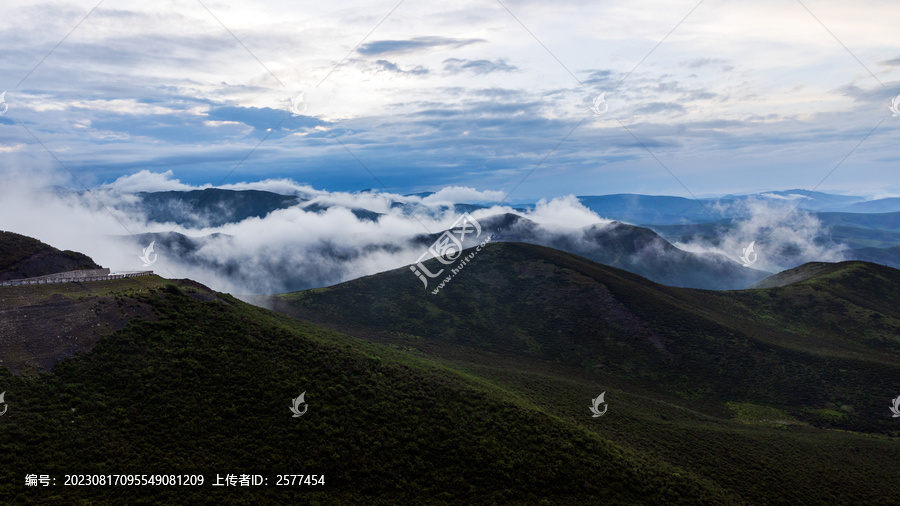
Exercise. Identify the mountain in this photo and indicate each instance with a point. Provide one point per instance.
(877, 221)
(188, 381)
(479, 394)
(667, 210)
(210, 207)
(635, 249)
(886, 205)
(761, 374)
(883, 256)
(804, 199)
(857, 236)
(24, 257)
(639, 209)
(533, 301)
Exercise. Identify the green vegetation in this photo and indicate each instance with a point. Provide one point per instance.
(745, 412)
(693, 377)
(23, 257)
(834, 338)
(206, 388)
(478, 395)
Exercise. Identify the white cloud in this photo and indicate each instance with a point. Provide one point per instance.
(456, 194)
(147, 181)
(273, 253)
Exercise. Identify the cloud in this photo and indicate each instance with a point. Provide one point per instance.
(393, 67)
(156, 86)
(703, 62)
(383, 47)
(790, 196)
(564, 213)
(147, 181)
(457, 65)
(314, 243)
(784, 237)
(893, 62)
(458, 194)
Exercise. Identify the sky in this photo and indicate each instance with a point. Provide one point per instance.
(698, 98)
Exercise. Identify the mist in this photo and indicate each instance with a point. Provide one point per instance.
(293, 249)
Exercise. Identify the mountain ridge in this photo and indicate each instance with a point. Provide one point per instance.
(25, 257)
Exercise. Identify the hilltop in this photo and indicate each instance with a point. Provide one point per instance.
(24, 257)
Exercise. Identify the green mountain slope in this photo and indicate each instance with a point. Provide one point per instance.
(478, 395)
(773, 347)
(201, 382)
(25, 257)
(762, 376)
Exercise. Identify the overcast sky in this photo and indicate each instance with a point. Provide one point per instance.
(740, 97)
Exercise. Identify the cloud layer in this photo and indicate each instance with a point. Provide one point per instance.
(323, 240)
(739, 98)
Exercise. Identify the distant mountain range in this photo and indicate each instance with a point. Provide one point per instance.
(642, 241)
(636, 249)
(214, 207)
(663, 210)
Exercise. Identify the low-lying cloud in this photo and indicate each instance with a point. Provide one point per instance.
(325, 239)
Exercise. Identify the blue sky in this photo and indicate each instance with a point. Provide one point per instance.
(421, 96)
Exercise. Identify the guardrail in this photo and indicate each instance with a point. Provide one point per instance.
(19, 282)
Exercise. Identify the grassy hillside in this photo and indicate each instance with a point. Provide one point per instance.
(765, 392)
(203, 382)
(25, 257)
(478, 395)
(768, 347)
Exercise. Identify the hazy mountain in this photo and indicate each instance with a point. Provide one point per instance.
(804, 199)
(25, 257)
(853, 236)
(876, 221)
(648, 208)
(883, 256)
(887, 205)
(210, 207)
(667, 210)
(635, 249)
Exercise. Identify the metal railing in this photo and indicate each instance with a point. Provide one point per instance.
(44, 281)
